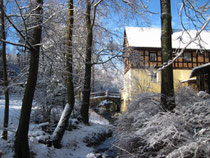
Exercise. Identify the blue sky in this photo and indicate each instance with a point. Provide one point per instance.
(155, 18)
(175, 8)
(154, 6)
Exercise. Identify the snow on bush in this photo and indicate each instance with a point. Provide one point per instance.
(147, 131)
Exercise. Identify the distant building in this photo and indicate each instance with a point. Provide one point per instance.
(142, 57)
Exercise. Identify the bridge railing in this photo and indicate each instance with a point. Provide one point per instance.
(106, 93)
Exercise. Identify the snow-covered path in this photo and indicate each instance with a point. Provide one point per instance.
(14, 112)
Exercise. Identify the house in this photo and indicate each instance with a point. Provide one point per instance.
(142, 57)
(202, 74)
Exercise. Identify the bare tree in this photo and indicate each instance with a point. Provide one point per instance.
(21, 140)
(60, 129)
(4, 60)
(90, 21)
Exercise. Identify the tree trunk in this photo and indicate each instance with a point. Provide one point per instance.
(87, 77)
(167, 87)
(63, 122)
(21, 140)
(4, 61)
(208, 81)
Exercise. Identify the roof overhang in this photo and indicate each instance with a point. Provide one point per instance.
(202, 69)
(190, 80)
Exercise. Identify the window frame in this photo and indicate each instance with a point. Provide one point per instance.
(153, 77)
(186, 58)
(150, 56)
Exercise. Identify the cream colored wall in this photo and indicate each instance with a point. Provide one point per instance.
(139, 81)
(180, 75)
(125, 93)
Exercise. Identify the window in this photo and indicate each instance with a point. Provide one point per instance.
(153, 77)
(153, 56)
(187, 57)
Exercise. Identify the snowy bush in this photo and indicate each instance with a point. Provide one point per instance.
(96, 138)
(146, 131)
(186, 96)
(49, 101)
(203, 95)
(138, 112)
(42, 114)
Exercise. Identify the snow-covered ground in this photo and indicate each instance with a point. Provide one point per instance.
(144, 131)
(14, 112)
(72, 143)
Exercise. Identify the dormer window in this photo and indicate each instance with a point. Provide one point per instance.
(187, 57)
(153, 56)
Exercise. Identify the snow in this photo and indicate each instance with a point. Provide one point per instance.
(144, 131)
(72, 143)
(195, 71)
(14, 113)
(141, 37)
(61, 122)
(97, 119)
(188, 80)
(15, 106)
(109, 96)
(104, 102)
(147, 131)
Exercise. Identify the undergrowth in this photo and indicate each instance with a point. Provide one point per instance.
(146, 131)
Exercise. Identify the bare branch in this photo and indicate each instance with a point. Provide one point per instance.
(133, 6)
(124, 150)
(109, 59)
(20, 33)
(146, 8)
(15, 44)
(182, 51)
(94, 12)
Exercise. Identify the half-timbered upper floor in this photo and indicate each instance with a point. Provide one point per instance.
(142, 48)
